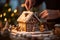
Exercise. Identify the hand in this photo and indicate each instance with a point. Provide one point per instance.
(22, 5)
(44, 14)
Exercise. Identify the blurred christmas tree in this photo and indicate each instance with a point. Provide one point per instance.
(7, 13)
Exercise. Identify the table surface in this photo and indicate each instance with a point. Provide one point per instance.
(32, 34)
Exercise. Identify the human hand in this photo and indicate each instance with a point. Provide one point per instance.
(44, 14)
(22, 5)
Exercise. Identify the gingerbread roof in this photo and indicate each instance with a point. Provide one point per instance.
(26, 16)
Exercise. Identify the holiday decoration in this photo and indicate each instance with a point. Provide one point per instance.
(28, 21)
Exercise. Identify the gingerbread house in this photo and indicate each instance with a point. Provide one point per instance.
(28, 21)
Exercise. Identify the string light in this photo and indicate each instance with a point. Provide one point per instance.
(9, 9)
(4, 14)
(12, 14)
(5, 19)
(22, 5)
(6, 5)
(0, 15)
(15, 11)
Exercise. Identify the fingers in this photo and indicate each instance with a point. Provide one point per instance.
(45, 11)
(44, 14)
(22, 5)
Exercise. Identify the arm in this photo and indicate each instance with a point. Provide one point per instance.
(27, 4)
(32, 3)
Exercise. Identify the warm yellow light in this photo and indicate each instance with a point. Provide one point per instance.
(5, 19)
(6, 5)
(12, 14)
(9, 9)
(42, 28)
(22, 5)
(0, 15)
(4, 14)
(15, 10)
